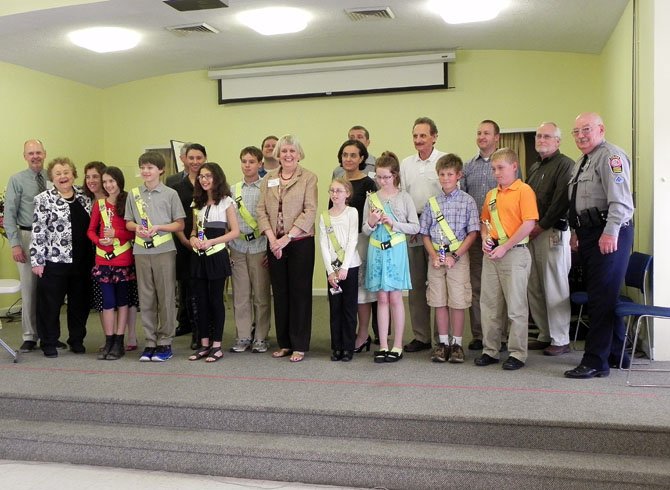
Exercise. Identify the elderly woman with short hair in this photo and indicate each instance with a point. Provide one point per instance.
(61, 256)
(286, 215)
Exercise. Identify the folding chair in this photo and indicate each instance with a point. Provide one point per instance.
(639, 312)
(639, 265)
(8, 286)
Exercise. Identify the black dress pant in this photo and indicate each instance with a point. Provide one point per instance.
(291, 278)
(343, 313)
(57, 281)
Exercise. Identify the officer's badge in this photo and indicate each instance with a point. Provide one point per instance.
(615, 164)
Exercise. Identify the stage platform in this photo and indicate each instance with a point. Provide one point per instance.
(411, 424)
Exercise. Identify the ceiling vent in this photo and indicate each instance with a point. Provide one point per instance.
(370, 13)
(191, 5)
(187, 29)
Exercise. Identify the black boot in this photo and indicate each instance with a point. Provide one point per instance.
(117, 351)
(109, 341)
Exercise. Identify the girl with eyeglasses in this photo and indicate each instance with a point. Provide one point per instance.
(214, 226)
(390, 217)
(338, 239)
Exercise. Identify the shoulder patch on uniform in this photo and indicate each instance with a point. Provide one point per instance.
(618, 179)
(615, 164)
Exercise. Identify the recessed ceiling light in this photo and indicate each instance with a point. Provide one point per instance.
(275, 20)
(105, 39)
(464, 11)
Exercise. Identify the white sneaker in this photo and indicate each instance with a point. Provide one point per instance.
(260, 346)
(241, 345)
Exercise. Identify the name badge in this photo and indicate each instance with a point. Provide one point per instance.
(273, 182)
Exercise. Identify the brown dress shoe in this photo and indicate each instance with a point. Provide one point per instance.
(538, 345)
(557, 350)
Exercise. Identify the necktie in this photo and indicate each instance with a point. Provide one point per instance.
(41, 185)
(572, 210)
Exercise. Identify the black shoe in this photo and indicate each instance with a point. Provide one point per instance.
(585, 372)
(336, 355)
(503, 347)
(417, 346)
(365, 345)
(78, 348)
(28, 346)
(476, 344)
(538, 345)
(512, 364)
(380, 355)
(182, 330)
(61, 345)
(50, 351)
(485, 360)
(393, 356)
(347, 355)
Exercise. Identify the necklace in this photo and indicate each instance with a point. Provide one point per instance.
(282, 175)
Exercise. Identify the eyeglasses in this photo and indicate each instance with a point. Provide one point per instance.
(383, 177)
(586, 130)
(544, 136)
(336, 191)
(205, 177)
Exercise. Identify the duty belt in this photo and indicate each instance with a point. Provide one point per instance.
(589, 218)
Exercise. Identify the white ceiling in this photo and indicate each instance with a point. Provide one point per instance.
(33, 33)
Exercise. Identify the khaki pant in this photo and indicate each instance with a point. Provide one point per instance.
(505, 285)
(419, 311)
(28, 291)
(548, 287)
(156, 278)
(251, 294)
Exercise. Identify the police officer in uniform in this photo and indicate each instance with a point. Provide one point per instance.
(601, 213)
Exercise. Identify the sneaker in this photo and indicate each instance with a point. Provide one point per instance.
(260, 346)
(440, 353)
(241, 345)
(147, 354)
(457, 354)
(162, 353)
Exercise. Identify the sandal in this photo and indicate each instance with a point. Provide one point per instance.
(214, 354)
(297, 356)
(201, 354)
(282, 353)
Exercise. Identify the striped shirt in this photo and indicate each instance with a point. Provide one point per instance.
(251, 193)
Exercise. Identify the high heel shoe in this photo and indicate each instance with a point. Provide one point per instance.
(365, 345)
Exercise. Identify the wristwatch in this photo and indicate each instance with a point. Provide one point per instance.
(455, 256)
(290, 237)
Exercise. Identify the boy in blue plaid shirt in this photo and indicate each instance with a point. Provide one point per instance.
(449, 225)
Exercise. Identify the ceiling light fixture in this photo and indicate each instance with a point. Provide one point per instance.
(105, 39)
(465, 11)
(275, 20)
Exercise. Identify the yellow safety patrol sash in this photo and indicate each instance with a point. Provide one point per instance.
(156, 240)
(107, 221)
(339, 251)
(453, 244)
(396, 237)
(246, 215)
(200, 227)
(502, 236)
